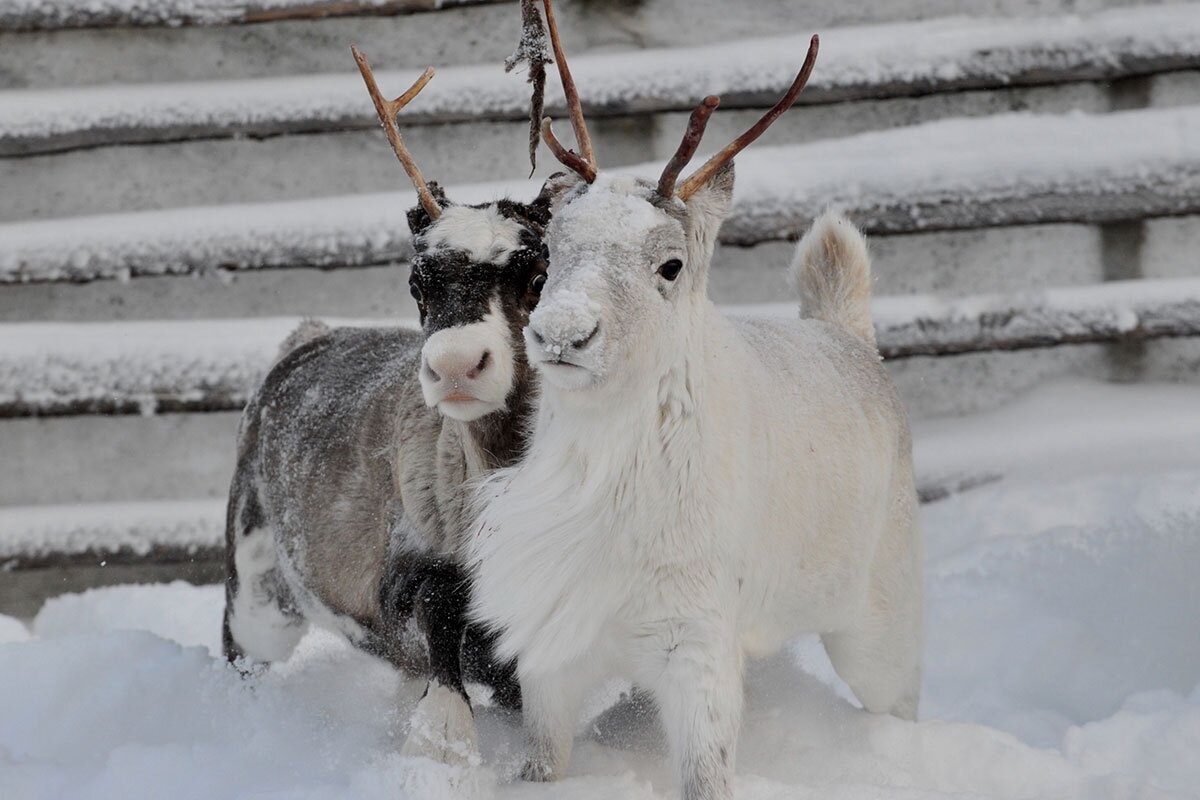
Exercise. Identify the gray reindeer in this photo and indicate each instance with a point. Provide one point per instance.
(347, 507)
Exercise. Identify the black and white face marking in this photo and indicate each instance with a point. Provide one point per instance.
(477, 274)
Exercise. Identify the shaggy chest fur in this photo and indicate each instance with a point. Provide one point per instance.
(612, 530)
(613, 534)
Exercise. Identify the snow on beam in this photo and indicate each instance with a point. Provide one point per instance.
(169, 531)
(926, 325)
(897, 59)
(148, 367)
(1118, 311)
(103, 534)
(42, 15)
(951, 174)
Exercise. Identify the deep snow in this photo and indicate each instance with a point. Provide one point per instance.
(1062, 661)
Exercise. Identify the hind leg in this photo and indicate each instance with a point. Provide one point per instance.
(262, 624)
(880, 656)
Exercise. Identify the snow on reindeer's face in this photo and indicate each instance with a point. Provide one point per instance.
(476, 274)
(626, 268)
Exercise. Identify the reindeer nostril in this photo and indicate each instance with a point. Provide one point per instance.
(579, 344)
(482, 365)
(430, 374)
(537, 336)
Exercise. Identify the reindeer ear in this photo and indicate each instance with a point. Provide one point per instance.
(418, 217)
(554, 190)
(718, 189)
(709, 205)
(707, 208)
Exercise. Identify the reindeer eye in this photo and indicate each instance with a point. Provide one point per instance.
(537, 283)
(415, 291)
(670, 270)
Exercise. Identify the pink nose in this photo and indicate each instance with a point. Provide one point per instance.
(457, 365)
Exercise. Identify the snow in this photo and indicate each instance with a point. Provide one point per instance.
(54, 14)
(1145, 160)
(1062, 659)
(140, 364)
(954, 53)
(103, 530)
(62, 367)
(917, 324)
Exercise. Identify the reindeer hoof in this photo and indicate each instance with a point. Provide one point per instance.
(443, 729)
(537, 771)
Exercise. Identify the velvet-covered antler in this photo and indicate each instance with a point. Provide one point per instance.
(387, 111)
(710, 167)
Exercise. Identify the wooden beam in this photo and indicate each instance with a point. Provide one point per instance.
(163, 367)
(1035, 169)
(21, 17)
(954, 55)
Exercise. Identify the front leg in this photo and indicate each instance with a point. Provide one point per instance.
(434, 592)
(699, 696)
(550, 704)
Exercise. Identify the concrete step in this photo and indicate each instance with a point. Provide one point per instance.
(58, 58)
(21, 15)
(154, 367)
(1074, 168)
(856, 63)
(99, 459)
(947, 262)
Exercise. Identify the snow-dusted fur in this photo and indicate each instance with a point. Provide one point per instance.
(697, 489)
(833, 273)
(347, 508)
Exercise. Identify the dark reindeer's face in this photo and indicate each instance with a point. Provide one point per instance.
(476, 275)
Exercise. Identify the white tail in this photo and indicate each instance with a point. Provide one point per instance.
(833, 272)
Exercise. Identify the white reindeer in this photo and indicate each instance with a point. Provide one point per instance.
(697, 489)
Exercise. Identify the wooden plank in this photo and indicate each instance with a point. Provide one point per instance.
(111, 534)
(185, 535)
(163, 367)
(1035, 169)
(19, 16)
(872, 62)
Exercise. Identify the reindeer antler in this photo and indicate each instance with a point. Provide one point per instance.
(387, 111)
(710, 167)
(574, 107)
(569, 158)
(687, 148)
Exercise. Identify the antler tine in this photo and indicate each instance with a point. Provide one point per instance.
(387, 111)
(687, 148)
(702, 175)
(574, 107)
(569, 158)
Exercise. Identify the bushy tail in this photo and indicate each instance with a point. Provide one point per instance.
(308, 330)
(833, 272)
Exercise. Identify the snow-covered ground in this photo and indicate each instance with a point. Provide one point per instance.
(1062, 660)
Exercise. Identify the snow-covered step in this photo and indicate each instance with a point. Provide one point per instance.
(953, 174)
(1042, 434)
(160, 532)
(40, 15)
(149, 367)
(897, 59)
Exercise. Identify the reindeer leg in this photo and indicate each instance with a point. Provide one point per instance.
(442, 725)
(699, 695)
(481, 665)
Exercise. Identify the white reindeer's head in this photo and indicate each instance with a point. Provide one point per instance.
(629, 259)
(628, 268)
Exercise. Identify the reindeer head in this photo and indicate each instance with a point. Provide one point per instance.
(630, 258)
(477, 272)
